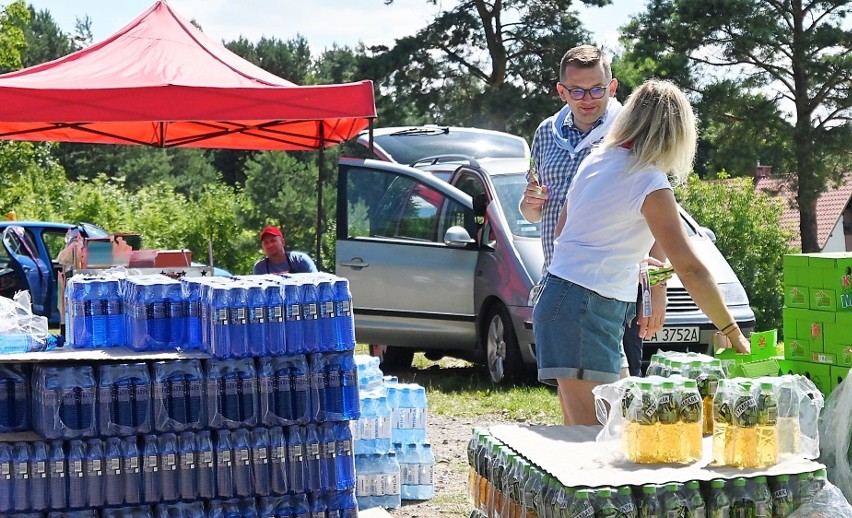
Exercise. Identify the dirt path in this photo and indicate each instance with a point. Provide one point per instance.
(449, 437)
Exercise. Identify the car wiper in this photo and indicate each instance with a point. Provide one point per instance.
(420, 131)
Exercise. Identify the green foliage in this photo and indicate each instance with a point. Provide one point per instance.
(31, 183)
(492, 65)
(12, 18)
(45, 40)
(749, 235)
(773, 56)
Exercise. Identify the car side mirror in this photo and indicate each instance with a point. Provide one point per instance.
(709, 233)
(457, 237)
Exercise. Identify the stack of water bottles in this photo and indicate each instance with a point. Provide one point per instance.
(257, 430)
(393, 458)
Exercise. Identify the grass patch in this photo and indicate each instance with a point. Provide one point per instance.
(461, 389)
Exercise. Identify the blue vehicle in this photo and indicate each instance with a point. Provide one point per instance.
(28, 261)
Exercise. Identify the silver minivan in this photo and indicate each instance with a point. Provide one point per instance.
(440, 260)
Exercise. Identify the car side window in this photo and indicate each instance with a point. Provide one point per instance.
(387, 205)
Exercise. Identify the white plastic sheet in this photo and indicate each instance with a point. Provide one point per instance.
(20, 329)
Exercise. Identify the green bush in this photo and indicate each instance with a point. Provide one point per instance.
(749, 235)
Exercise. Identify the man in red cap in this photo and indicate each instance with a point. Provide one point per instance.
(278, 259)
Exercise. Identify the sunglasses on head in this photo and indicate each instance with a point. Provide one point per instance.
(595, 92)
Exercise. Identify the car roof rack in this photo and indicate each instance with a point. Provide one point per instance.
(439, 159)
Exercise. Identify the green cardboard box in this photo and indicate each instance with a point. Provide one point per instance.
(797, 297)
(819, 374)
(843, 354)
(797, 350)
(823, 299)
(787, 367)
(755, 369)
(762, 347)
(838, 374)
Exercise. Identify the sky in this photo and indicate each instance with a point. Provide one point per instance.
(322, 22)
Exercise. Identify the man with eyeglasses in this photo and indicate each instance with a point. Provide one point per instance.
(561, 143)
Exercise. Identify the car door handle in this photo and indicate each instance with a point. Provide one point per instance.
(355, 262)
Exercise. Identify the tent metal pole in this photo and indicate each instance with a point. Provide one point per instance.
(320, 175)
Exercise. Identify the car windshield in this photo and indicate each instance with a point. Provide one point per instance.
(509, 189)
(407, 147)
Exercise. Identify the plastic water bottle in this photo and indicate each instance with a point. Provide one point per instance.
(349, 386)
(390, 474)
(266, 391)
(114, 310)
(425, 475)
(344, 320)
(56, 469)
(367, 475)
(318, 385)
(131, 464)
(276, 338)
(220, 334)
(317, 505)
(38, 487)
(260, 461)
(277, 461)
(158, 317)
(80, 331)
(168, 449)
(300, 391)
(187, 485)
(258, 331)
(409, 470)
(249, 407)
(238, 320)
(328, 452)
(313, 466)
(224, 465)
(347, 505)
(190, 293)
(344, 458)
(7, 500)
(113, 473)
(334, 387)
(293, 319)
(21, 476)
(327, 322)
(419, 414)
(14, 399)
(76, 474)
(150, 470)
(176, 318)
(309, 298)
(296, 470)
(94, 472)
(242, 469)
(206, 474)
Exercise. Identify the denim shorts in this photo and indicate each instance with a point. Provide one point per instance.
(578, 333)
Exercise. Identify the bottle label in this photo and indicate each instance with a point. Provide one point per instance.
(242, 457)
(312, 451)
(344, 308)
(57, 469)
(257, 315)
(344, 448)
(187, 461)
(260, 457)
(327, 309)
(310, 311)
(237, 316)
(131, 465)
(383, 429)
(275, 314)
(333, 379)
(279, 454)
(295, 453)
(424, 474)
(150, 464)
(266, 384)
(408, 474)
(220, 316)
(205, 459)
(114, 307)
(223, 458)
(294, 312)
(363, 486)
(419, 418)
(367, 428)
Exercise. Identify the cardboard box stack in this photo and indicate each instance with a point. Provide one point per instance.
(818, 317)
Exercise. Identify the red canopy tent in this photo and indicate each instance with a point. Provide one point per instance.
(160, 81)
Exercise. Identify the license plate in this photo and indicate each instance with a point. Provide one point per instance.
(674, 335)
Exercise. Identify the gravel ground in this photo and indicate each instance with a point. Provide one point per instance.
(449, 437)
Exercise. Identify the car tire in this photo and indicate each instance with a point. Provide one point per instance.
(502, 355)
(392, 358)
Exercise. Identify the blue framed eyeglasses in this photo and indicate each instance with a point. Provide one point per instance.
(595, 92)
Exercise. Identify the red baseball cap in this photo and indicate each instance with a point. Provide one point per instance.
(272, 231)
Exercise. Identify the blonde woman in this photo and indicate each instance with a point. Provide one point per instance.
(620, 203)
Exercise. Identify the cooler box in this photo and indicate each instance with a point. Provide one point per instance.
(173, 258)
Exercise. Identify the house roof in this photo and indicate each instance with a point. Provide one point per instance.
(830, 206)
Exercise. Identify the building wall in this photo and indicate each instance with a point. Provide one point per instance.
(836, 240)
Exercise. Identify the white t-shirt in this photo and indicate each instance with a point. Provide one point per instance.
(605, 234)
